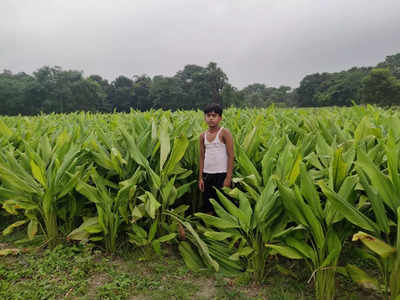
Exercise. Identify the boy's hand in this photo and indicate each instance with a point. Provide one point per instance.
(201, 185)
(227, 182)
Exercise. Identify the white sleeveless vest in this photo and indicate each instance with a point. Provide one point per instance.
(216, 157)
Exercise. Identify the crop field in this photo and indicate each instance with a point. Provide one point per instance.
(106, 206)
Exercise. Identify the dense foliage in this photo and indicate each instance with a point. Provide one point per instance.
(307, 181)
(51, 89)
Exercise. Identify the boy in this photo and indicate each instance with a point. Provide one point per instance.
(216, 156)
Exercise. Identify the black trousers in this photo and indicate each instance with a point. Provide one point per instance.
(211, 181)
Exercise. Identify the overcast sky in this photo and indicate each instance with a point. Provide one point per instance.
(276, 42)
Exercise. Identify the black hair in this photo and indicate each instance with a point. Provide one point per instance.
(213, 107)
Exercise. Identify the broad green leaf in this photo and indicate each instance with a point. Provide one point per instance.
(4, 130)
(294, 173)
(378, 180)
(151, 205)
(286, 251)
(133, 149)
(191, 258)
(266, 202)
(138, 212)
(80, 233)
(291, 204)
(166, 238)
(216, 222)
(32, 229)
(9, 229)
(378, 246)
(37, 173)
(334, 247)
(178, 150)
(165, 146)
(246, 166)
(311, 219)
(95, 228)
(246, 251)
(348, 211)
(310, 192)
(218, 236)
(235, 211)
(302, 247)
(362, 278)
(202, 246)
(222, 213)
(139, 231)
(153, 230)
(377, 203)
(337, 169)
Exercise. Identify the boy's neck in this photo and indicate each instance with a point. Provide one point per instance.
(213, 129)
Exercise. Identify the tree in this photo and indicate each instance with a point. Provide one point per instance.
(309, 88)
(122, 95)
(166, 92)
(141, 93)
(13, 93)
(106, 89)
(259, 95)
(194, 81)
(230, 96)
(381, 87)
(216, 80)
(392, 62)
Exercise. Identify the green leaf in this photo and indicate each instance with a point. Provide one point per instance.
(11, 227)
(286, 251)
(302, 247)
(178, 150)
(218, 236)
(294, 173)
(191, 258)
(378, 246)
(166, 238)
(362, 278)
(165, 146)
(352, 214)
(222, 213)
(80, 233)
(202, 246)
(4, 130)
(32, 229)
(246, 165)
(312, 221)
(337, 169)
(290, 202)
(216, 222)
(153, 230)
(309, 191)
(244, 252)
(378, 180)
(37, 173)
(151, 205)
(235, 211)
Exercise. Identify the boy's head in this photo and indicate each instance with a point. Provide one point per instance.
(213, 114)
(213, 107)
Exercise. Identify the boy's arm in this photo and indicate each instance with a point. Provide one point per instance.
(231, 156)
(201, 162)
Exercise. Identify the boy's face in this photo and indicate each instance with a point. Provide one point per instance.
(212, 119)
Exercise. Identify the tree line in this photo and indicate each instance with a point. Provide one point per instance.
(52, 89)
